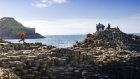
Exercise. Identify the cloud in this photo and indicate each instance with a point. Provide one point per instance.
(48, 3)
(81, 26)
(64, 26)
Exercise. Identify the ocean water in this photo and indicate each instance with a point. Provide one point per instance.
(138, 34)
(61, 41)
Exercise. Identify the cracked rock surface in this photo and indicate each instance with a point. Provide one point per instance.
(108, 54)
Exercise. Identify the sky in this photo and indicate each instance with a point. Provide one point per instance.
(71, 17)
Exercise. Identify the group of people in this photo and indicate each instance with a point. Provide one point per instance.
(101, 27)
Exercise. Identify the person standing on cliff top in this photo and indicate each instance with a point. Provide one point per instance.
(108, 26)
(22, 37)
(97, 27)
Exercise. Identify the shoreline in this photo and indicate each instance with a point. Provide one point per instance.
(81, 61)
(58, 41)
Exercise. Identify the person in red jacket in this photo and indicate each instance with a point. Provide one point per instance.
(22, 37)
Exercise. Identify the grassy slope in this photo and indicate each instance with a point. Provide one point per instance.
(12, 25)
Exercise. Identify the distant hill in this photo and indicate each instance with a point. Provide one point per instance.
(10, 29)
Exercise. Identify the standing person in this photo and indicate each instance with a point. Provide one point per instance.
(22, 37)
(97, 27)
(103, 27)
(108, 26)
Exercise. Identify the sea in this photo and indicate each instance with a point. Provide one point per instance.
(60, 41)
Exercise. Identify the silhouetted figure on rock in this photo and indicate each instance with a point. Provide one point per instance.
(100, 27)
(118, 28)
(97, 27)
(108, 27)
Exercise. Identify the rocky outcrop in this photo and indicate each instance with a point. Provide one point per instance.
(85, 60)
(38, 61)
(111, 38)
(10, 29)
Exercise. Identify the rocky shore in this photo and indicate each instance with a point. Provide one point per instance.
(108, 54)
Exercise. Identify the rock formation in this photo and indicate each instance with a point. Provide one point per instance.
(111, 38)
(97, 57)
(10, 29)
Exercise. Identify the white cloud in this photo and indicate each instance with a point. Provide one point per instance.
(41, 5)
(59, 1)
(81, 26)
(47, 3)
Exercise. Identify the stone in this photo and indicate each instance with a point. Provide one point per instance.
(7, 74)
(20, 65)
(98, 56)
(13, 58)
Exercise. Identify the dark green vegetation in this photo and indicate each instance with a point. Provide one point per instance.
(12, 25)
(10, 28)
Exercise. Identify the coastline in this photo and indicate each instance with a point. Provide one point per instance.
(81, 61)
(60, 41)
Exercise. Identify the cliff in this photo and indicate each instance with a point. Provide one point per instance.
(10, 29)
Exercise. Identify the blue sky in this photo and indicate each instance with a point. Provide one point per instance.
(59, 17)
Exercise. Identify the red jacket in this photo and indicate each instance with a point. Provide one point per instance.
(22, 35)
